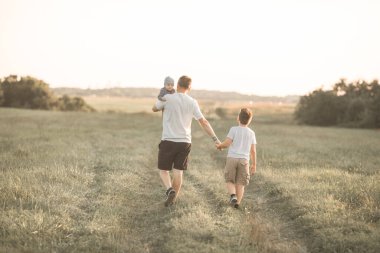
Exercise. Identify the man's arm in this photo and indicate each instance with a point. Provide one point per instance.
(208, 129)
(253, 159)
(158, 106)
(154, 109)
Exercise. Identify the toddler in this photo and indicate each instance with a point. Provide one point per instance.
(167, 89)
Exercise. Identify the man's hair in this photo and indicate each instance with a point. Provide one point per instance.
(184, 82)
(245, 116)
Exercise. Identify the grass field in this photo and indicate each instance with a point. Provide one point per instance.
(120, 104)
(87, 182)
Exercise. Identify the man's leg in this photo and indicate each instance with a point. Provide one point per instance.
(165, 177)
(177, 180)
(239, 193)
(170, 192)
(180, 164)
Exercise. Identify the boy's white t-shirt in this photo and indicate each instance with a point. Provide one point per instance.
(179, 110)
(242, 139)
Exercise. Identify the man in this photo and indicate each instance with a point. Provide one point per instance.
(175, 144)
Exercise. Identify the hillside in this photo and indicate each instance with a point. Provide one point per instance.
(153, 92)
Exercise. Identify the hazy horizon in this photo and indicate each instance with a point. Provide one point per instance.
(271, 48)
(195, 89)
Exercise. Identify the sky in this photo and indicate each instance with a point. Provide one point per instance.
(271, 47)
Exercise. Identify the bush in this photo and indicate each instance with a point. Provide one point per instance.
(355, 110)
(1, 97)
(66, 103)
(318, 108)
(221, 112)
(355, 105)
(29, 92)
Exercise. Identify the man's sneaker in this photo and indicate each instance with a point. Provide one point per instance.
(170, 195)
(233, 200)
(236, 206)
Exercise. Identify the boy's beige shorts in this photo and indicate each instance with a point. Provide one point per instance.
(237, 171)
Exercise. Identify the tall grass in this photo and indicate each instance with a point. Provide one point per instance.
(87, 182)
(320, 183)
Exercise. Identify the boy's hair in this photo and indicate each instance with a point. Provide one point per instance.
(245, 116)
(184, 81)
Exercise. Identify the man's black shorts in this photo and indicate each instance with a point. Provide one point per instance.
(173, 153)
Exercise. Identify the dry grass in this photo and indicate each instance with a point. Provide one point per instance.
(120, 104)
(266, 112)
(87, 182)
(323, 181)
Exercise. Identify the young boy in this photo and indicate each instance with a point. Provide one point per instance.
(167, 89)
(241, 141)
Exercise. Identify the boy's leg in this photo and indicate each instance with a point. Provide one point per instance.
(232, 191)
(231, 188)
(242, 179)
(230, 178)
(239, 193)
(230, 174)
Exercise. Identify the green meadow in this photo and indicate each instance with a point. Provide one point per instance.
(88, 182)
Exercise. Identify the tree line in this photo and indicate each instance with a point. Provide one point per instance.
(31, 93)
(355, 104)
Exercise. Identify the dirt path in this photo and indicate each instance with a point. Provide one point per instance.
(145, 216)
(271, 229)
(201, 219)
(260, 221)
(124, 209)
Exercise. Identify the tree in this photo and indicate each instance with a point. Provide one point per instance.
(29, 92)
(1, 96)
(318, 108)
(355, 104)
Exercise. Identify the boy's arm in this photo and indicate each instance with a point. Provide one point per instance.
(225, 144)
(253, 159)
(208, 129)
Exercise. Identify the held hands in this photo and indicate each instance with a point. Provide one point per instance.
(217, 142)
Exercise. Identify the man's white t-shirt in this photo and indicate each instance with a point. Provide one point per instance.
(179, 110)
(242, 139)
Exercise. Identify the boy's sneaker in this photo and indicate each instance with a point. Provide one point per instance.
(170, 195)
(236, 206)
(233, 200)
